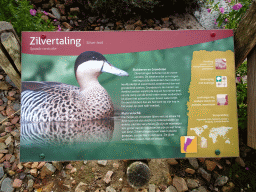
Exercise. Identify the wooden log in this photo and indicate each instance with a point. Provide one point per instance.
(251, 98)
(245, 35)
(10, 53)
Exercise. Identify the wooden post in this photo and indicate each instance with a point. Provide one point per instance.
(251, 98)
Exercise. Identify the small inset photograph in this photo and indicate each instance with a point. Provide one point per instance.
(220, 63)
(221, 81)
(222, 99)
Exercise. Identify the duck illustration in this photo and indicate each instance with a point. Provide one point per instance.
(54, 101)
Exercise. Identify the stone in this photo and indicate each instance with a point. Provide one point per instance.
(157, 28)
(48, 169)
(138, 23)
(192, 183)
(210, 165)
(85, 162)
(228, 188)
(61, 7)
(2, 146)
(159, 177)
(152, 188)
(1, 172)
(8, 157)
(74, 10)
(73, 170)
(20, 166)
(7, 164)
(46, 6)
(30, 184)
(41, 164)
(27, 165)
(33, 172)
(15, 120)
(180, 184)
(22, 175)
(57, 165)
(194, 162)
(56, 13)
(11, 148)
(172, 161)
(34, 165)
(66, 25)
(6, 185)
(202, 189)
(48, 186)
(17, 183)
(171, 189)
(91, 19)
(204, 174)
(81, 187)
(107, 177)
(44, 17)
(11, 173)
(150, 22)
(69, 166)
(129, 27)
(190, 171)
(240, 161)
(115, 165)
(220, 181)
(110, 189)
(127, 190)
(102, 162)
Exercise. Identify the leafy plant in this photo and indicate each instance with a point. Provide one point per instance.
(241, 76)
(23, 17)
(230, 16)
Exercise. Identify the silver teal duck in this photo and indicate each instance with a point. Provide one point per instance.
(54, 101)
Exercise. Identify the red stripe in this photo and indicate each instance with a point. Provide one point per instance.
(115, 42)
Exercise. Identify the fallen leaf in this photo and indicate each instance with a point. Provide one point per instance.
(4, 86)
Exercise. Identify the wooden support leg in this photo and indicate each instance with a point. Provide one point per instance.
(251, 98)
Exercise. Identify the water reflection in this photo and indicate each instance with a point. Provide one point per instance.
(51, 133)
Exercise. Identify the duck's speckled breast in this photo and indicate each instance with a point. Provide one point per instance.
(65, 103)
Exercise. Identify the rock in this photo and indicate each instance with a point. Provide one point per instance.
(159, 177)
(4, 85)
(7, 165)
(129, 27)
(8, 157)
(228, 188)
(46, 6)
(171, 189)
(57, 165)
(6, 185)
(44, 17)
(85, 162)
(11, 148)
(157, 28)
(75, 10)
(138, 28)
(92, 19)
(66, 25)
(34, 165)
(16, 106)
(210, 165)
(152, 188)
(34, 172)
(11, 173)
(48, 169)
(2, 146)
(202, 189)
(15, 120)
(150, 22)
(22, 175)
(73, 170)
(107, 177)
(180, 184)
(102, 162)
(69, 166)
(192, 183)
(27, 165)
(48, 187)
(17, 183)
(61, 8)
(193, 162)
(190, 171)
(127, 190)
(1, 172)
(110, 189)
(220, 181)
(240, 161)
(81, 187)
(41, 164)
(63, 174)
(20, 166)
(172, 161)
(30, 185)
(228, 162)
(56, 13)
(204, 174)
(115, 165)
(138, 23)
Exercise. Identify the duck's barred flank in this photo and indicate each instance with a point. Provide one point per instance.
(66, 132)
(61, 102)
